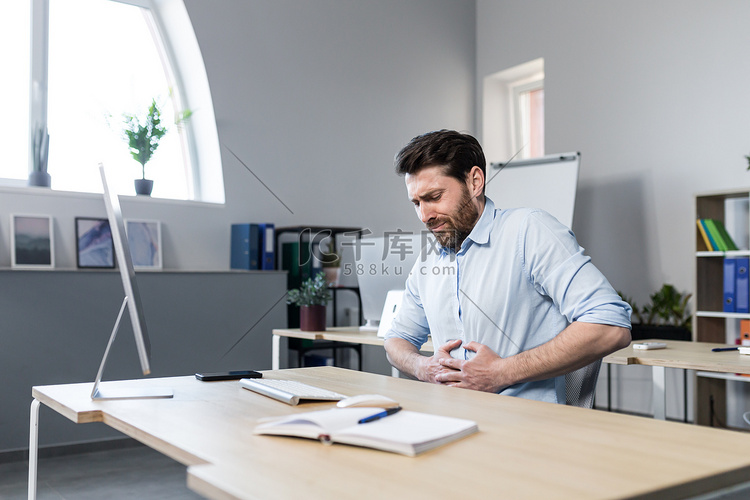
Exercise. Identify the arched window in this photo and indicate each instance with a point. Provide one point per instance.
(93, 62)
(15, 31)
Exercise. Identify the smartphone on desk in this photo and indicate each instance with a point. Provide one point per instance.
(647, 346)
(232, 375)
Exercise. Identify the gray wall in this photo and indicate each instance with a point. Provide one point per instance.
(655, 96)
(317, 97)
(55, 326)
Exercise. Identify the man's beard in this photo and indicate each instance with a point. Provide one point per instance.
(456, 226)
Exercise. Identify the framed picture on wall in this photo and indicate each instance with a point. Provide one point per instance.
(94, 246)
(32, 242)
(144, 240)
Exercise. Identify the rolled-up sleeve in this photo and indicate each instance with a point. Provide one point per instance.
(565, 274)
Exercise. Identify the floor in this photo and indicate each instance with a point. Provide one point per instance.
(128, 473)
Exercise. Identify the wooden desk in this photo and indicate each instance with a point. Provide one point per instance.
(525, 449)
(679, 354)
(336, 334)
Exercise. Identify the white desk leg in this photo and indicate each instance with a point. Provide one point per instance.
(275, 354)
(658, 373)
(33, 447)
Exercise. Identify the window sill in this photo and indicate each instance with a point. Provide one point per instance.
(139, 272)
(43, 191)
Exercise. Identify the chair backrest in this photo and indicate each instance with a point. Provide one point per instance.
(580, 385)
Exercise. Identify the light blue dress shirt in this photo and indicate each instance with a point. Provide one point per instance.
(518, 280)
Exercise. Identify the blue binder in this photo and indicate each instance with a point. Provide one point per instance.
(267, 246)
(244, 248)
(730, 280)
(742, 286)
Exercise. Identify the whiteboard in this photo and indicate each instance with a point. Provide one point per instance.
(548, 183)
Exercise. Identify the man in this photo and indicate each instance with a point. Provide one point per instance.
(510, 300)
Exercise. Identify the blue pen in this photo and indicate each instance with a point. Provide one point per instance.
(719, 349)
(382, 414)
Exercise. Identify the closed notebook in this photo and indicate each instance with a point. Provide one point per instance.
(406, 432)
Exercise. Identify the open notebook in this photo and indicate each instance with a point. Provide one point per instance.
(406, 432)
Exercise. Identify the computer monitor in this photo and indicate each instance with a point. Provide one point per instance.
(383, 264)
(132, 301)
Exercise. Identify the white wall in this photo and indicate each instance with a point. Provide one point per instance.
(655, 96)
(316, 97)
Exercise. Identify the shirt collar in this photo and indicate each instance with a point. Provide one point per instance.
(480, 234)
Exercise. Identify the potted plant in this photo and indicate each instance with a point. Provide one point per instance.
(331, 263)
(666, 316)
(40, 148)
(312, 297)
(143, 134)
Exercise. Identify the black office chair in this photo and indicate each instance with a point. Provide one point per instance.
(580, 385)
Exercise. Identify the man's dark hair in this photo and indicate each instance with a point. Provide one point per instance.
(454, 151)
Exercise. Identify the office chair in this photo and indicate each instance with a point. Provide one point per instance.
(580, 385)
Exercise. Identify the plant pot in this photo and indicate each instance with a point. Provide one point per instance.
(143, 186)
(41, 179)
(312, 318)
(333, 274)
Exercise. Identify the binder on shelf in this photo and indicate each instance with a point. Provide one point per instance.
(745, 332)
(718, 235)
(267, 246)
(297, 261)
(316, 262)
(742, 286)
(714, 235)
(244, 247)
(730, 279)
(704, 234)
(724, 235)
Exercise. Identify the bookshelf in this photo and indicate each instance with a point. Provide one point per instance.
(302, 267)
(711, 323)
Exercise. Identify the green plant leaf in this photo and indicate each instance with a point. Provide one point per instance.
(143, 134)
(667, 306)
(313, 292)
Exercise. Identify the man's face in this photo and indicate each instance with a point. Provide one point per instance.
(444, 204)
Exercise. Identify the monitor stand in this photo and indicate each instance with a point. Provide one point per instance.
(124, 392)
(371, 325)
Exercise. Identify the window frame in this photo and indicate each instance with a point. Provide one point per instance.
(499, 109)
(180, 53)
(518, 91)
